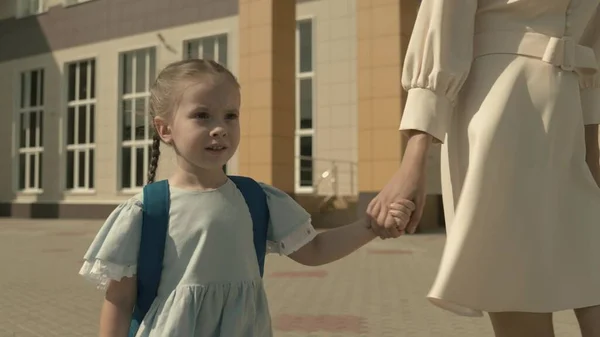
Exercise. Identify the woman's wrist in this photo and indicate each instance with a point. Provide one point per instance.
(417, 147)
(418, 134)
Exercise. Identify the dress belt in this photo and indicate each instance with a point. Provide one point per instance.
(563, 52)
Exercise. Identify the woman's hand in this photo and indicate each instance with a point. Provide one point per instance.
(408, 183)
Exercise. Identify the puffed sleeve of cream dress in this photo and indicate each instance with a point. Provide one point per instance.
(437, 63)
(590, 84)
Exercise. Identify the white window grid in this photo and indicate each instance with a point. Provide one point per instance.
(197, 48)
(30, 7)
(87, 148)
(134, 98)
(303, 132)
(31, 152)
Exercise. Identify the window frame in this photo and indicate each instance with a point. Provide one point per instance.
(133, 143)
(299, 132)
(29, 151)
(227, 64)
(86, 148)
(215, 35)
(22, 10)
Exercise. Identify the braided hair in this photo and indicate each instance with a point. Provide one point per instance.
(155, 154)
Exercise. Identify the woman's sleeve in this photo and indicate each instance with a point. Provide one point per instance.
(590, 83)
(437, 63)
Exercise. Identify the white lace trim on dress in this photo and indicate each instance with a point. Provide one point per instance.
(296, 240)
(101, 272)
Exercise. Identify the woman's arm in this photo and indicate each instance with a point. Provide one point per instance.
(592, 151)
(590, 98)
(337, 243)
(119, 301)
(407, 183)
(418, 144)
(590, 82)
(437, 63)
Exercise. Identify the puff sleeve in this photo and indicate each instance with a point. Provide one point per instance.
(113, 252)
(437, 63)
(590, 83)
(290, 226)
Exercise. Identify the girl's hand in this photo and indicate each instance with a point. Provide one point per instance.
(401, 212)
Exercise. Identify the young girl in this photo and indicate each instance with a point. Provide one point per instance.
(210, 284)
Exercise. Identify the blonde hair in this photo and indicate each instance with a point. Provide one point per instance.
(163, 94)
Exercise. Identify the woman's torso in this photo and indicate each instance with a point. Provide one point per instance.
(550, 17)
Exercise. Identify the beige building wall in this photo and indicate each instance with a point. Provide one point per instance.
(335, 98)
(107, 114)
(7, 9)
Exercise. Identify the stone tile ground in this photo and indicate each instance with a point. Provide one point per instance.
(378, 291)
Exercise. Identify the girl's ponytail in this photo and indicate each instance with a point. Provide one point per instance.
(155, 154)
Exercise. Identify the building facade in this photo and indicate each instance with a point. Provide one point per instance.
(320, 87)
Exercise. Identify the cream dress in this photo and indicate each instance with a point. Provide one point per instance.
(507, 86)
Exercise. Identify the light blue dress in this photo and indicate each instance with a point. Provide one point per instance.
(210, 285)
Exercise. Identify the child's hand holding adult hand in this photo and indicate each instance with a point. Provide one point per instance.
(401, 212)
(408, 183)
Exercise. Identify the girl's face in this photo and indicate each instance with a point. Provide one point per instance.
(205, 128)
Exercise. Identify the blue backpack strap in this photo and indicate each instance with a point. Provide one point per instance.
(155, 225)
(256, 199)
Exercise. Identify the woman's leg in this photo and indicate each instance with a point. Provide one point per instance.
(522, 324)
(589, 321)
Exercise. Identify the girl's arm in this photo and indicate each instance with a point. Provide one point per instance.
(119, 301)
(334, 244)
(337, 243)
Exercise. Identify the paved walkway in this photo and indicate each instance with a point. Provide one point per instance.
(378, 291)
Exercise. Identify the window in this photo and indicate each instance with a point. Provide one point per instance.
(210, 47)
(81, 107)
(304, 106)
(138, 69)
(31, 130)
(30, 7)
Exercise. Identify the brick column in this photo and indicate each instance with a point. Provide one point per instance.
(384, 29)
(267, 76)
(380, 94)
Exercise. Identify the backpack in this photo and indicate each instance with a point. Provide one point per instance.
(155, 224)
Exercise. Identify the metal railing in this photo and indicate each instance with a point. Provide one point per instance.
(328, 175)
